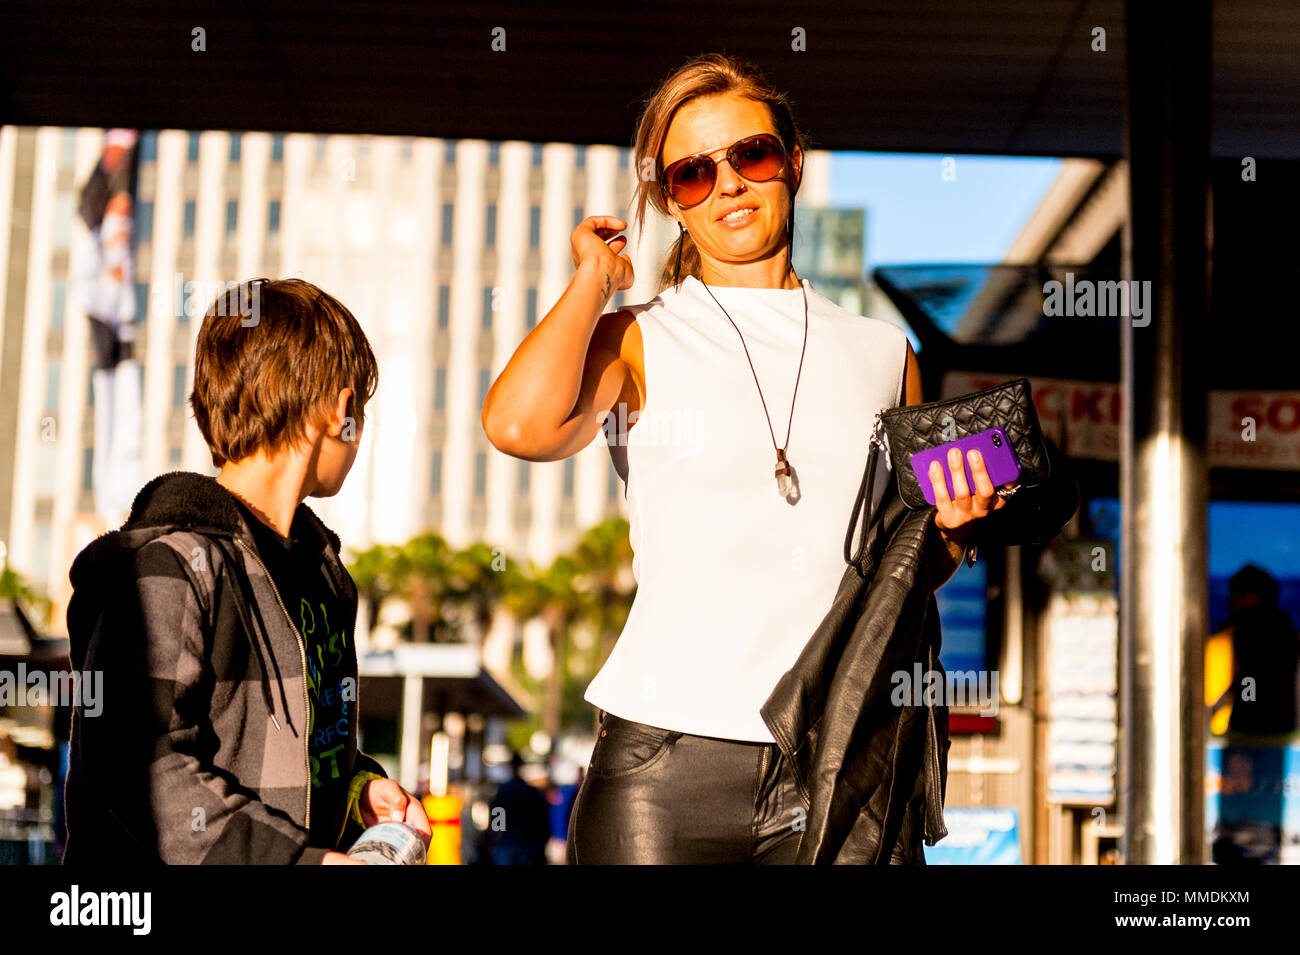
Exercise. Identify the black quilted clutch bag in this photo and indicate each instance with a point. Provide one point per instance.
(904, 431)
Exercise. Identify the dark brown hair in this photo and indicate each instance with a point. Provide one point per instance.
(272, 357)
(706, 75)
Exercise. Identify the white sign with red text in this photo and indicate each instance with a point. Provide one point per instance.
(1246, 429)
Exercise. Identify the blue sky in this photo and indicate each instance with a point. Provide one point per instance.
(914, 216)
(1243, 532)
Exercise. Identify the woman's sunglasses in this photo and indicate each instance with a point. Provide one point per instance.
(758, 158)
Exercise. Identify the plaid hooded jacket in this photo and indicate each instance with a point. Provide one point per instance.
(200, 751)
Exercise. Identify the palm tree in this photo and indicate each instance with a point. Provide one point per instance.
(420, 571)
(551, 596)
(477, 580)
(591, 586)
(373, 572)
(604, 554)
(14, 587)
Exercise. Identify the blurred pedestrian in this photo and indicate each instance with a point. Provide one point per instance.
(519, 821)
(1251, 663)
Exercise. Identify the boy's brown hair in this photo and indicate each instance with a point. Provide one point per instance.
(271, 358)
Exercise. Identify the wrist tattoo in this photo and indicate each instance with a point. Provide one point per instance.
(605, 290)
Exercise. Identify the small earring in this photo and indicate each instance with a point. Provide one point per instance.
(681, 241)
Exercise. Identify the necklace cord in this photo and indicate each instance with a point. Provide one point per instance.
(798, 375)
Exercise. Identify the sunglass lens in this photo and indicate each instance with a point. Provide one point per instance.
(692, 181)
(759, 160)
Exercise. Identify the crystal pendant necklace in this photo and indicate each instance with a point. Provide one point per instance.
(785, 480)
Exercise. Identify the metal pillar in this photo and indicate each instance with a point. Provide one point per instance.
(1163, 478)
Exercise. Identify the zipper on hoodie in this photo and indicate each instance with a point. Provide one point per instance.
(302, 651)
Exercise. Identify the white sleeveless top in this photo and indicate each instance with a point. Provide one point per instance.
(732, 579)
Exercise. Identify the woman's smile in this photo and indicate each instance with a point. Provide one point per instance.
(739, 218)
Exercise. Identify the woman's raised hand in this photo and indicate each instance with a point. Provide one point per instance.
(595, 250)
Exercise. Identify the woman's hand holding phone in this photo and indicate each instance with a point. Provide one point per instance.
(965, 505)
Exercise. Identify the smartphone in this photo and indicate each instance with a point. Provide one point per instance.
(994, 447)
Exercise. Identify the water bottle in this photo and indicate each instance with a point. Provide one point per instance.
(390, 843)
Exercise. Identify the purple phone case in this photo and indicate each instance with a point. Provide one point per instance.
(993, 445)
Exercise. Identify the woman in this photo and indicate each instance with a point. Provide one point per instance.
(738, 547)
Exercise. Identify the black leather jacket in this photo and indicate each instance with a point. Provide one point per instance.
(875, 773)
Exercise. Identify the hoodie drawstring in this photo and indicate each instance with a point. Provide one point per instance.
(241, 605)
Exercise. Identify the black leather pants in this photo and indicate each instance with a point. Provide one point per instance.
(658, 796)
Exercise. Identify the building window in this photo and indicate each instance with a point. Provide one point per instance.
(174, 457)
(484, 383)
(494, 153)
(523, 476)
(52, 385)
(537, 154)
(64, 211)
(444, 305)
(618, 299)
(192, 148)
(580, 160)
(273, 217)
(487, 308)
(58, 302)
(143, 221)
(41, 550)
(532, 307)
(435, 477)
(87, 469)
(178, 386)
(188, 230)
(232, 217)
(322, 143)
(624, 155)
(141, 301)
(491, 226)
(480, 474)
(440, 389)
(447, 211)
(277, 147)
(68, 147)
(568, 477)
(408, 148)
(449, 153)
(90, 388)
(236, 143)
(534, 226)
(149, 146)
(577, 215)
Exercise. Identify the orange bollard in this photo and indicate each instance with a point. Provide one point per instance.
(444, 823)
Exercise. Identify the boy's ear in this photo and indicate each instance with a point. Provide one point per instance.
(341, 423)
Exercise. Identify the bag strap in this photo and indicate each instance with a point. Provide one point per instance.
(863, 499)
(862, 504)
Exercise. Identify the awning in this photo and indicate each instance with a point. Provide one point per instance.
(453, 677)
(20, 641)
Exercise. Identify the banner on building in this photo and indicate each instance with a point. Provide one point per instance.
(106, 294)
(978, 836)
(1252, 801)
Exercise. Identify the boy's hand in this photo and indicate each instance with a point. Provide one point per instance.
(383, 800)
(340, 858)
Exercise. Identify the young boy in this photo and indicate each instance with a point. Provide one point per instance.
(221, 617)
